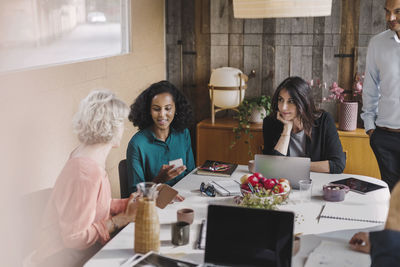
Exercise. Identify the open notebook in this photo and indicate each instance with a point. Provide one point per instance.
(359, 213)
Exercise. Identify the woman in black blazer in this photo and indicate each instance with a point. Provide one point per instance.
(296, 128)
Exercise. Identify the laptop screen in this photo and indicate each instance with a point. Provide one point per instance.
(238, 236)
(292, 168)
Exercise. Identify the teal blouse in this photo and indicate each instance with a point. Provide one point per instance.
(146, 154)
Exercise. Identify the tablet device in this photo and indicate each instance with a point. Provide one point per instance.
(358, 186)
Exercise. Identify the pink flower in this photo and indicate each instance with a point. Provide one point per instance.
(336, 92)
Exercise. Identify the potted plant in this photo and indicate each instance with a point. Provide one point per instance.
(250, 110)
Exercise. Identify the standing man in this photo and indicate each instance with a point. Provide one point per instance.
(381, 95)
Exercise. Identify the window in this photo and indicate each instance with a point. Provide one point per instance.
(43, 32)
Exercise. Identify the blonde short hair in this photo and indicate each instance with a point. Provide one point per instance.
(99, 116)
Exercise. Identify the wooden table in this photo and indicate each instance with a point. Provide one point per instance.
(120, 248)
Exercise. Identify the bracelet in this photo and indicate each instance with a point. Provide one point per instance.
(285, 134)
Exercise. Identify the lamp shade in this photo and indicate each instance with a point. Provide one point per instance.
(281, 8)
(228, 87)
(226, 77)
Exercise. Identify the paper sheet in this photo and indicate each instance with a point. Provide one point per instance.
(334, 254)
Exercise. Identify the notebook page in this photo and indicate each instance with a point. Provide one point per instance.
(362, 213)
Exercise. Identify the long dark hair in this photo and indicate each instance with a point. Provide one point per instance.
(300, 91)
(140, 114)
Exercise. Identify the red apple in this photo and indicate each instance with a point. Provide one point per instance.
(278, 188)
(262, 180)
(245, 187)
(269, 183)
(258, 175)
(260, 185)
(253, 180)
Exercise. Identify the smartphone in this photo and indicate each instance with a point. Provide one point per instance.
(176, 162)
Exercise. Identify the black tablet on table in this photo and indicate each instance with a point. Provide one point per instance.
(358, 186)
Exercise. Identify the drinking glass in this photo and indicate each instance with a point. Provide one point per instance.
(305, 190)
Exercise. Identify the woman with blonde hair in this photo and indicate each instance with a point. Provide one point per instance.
(81, 215)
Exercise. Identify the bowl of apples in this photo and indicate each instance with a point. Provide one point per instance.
(260, 192)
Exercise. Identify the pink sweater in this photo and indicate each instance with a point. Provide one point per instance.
(78, 208)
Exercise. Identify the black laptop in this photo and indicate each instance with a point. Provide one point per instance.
(238, 236)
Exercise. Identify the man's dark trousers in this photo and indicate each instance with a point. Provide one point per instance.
(386, 146)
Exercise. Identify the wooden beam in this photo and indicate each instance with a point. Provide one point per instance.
(201, 98)
(348, 42)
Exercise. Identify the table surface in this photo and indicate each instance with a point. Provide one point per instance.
(120, 248)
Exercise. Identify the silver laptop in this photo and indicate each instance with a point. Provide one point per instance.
(292, 168)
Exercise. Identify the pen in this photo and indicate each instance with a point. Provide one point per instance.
(320, 213)
(203, 222)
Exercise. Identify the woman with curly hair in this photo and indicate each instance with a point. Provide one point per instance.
(81, 215)
(296, 128)
(162, 114)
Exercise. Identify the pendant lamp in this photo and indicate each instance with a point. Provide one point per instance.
(253, 9)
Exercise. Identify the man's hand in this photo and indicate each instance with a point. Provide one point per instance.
(370, 132)
(360, 242)
(393, 218)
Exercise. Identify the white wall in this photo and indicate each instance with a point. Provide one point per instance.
(36, 108)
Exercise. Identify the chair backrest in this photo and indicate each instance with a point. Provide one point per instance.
(123, 179)
(33, 206)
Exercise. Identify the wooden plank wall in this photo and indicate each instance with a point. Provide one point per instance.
(274, 48)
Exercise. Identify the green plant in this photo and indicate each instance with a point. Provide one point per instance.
(245, 110)
(262, 201)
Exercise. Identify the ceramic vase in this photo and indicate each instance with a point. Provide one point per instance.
(257, 114)
(348, 112)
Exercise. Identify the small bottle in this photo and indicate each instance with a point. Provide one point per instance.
(147, 225)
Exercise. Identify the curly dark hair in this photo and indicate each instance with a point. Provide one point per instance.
(301, 93)
(140, 110)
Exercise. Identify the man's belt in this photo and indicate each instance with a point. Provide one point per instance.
(389, 129)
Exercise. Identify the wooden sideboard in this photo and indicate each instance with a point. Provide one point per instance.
(213, 141)
(360, 159)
